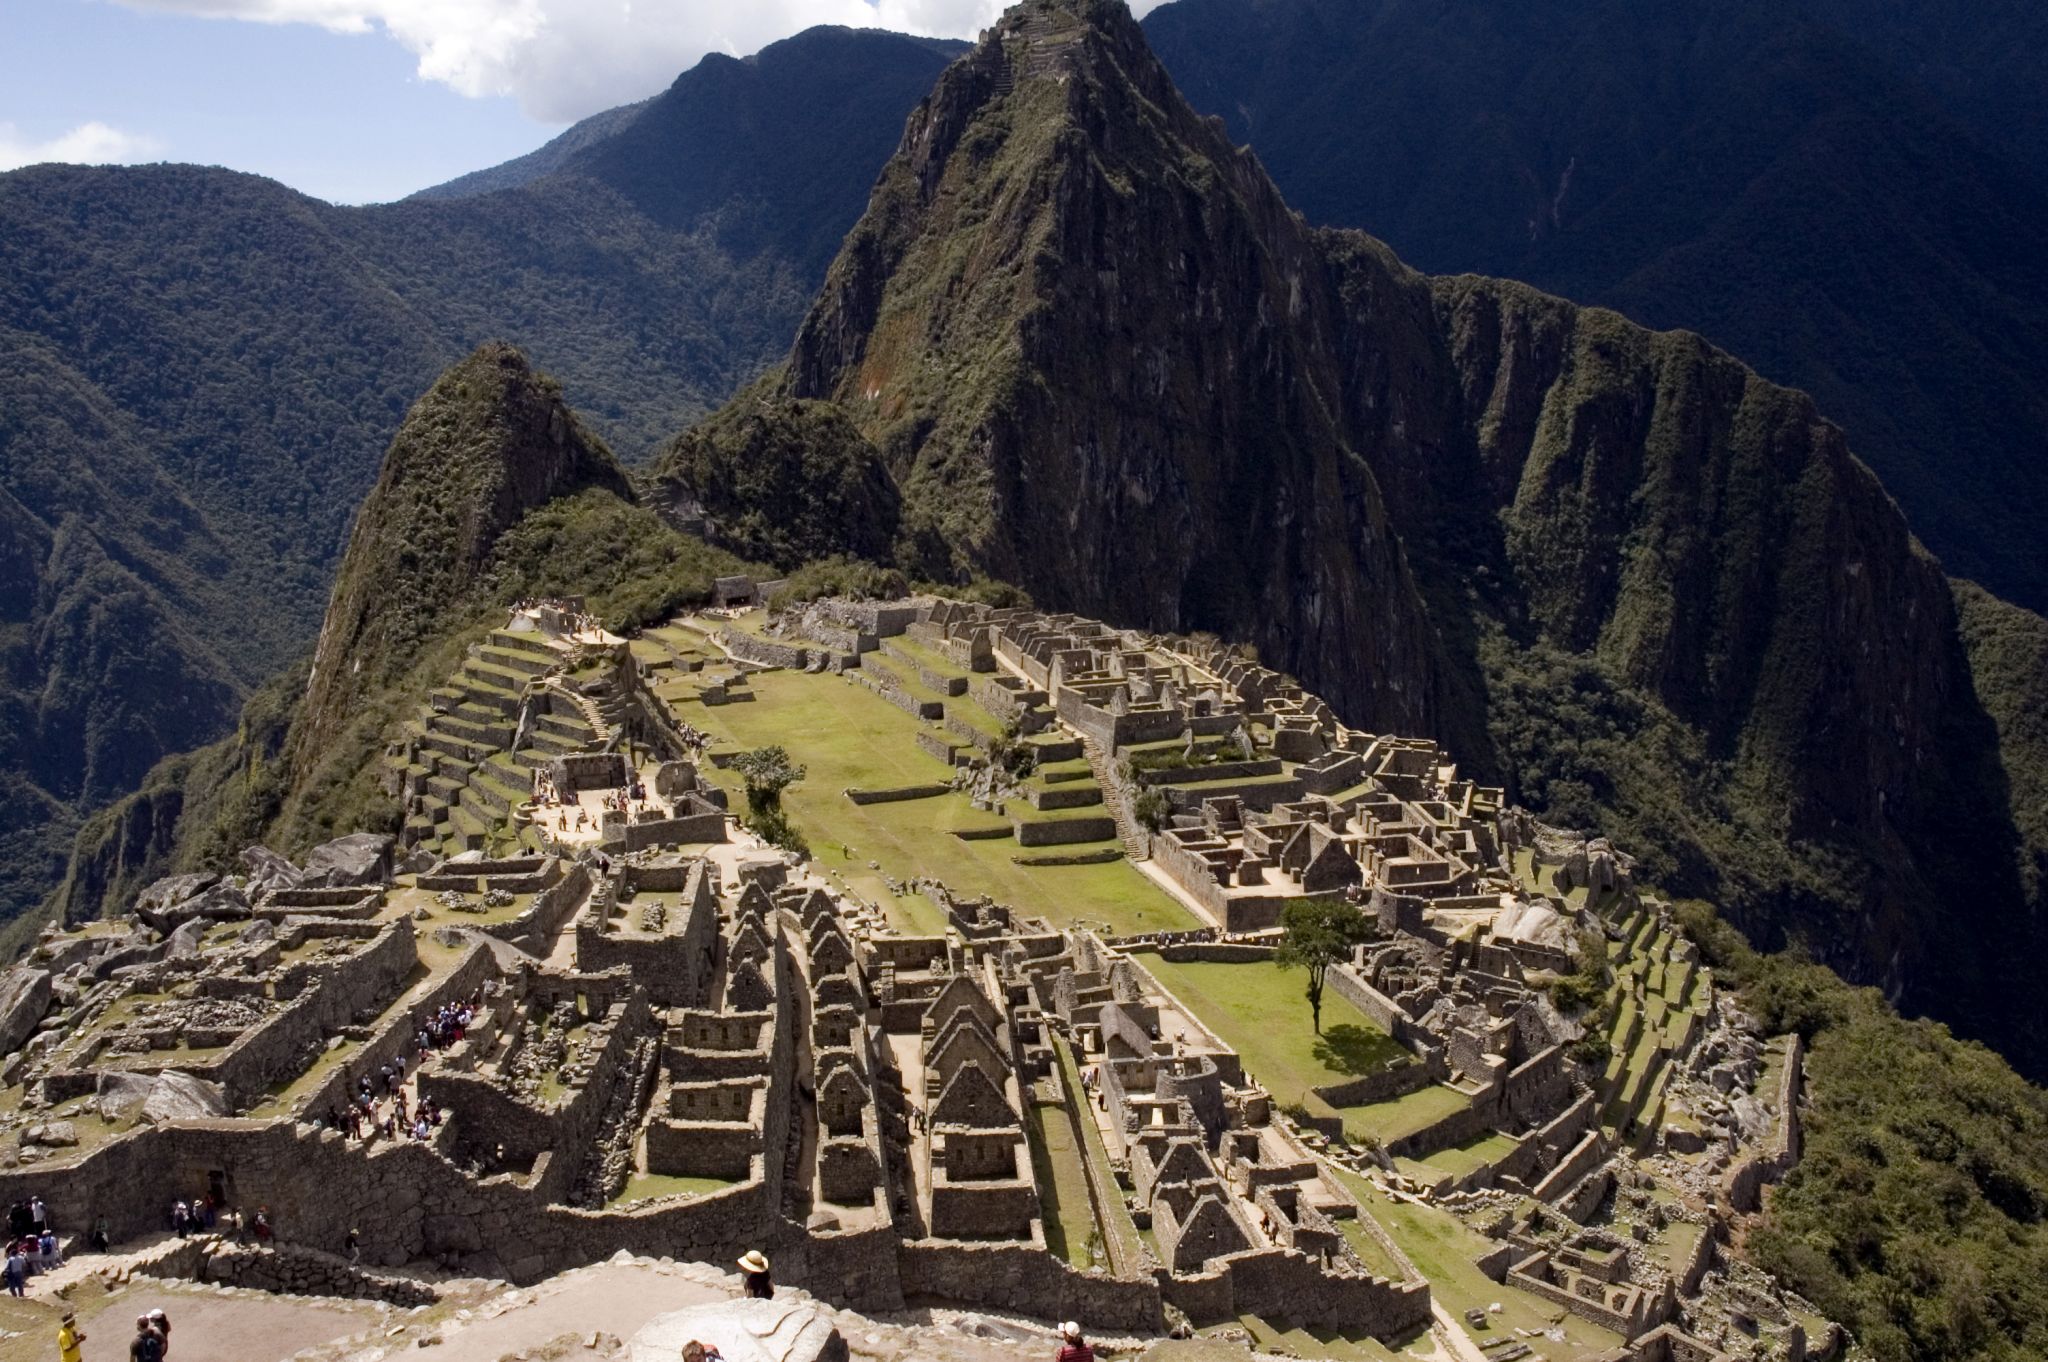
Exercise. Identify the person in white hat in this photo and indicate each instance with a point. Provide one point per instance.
(754, 1267)
(1072, 1347)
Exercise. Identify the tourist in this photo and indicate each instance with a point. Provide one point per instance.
(148, 1344)
(161, 1322)
(16, 1271)
(693, 1351)
(99, 1239)
(46, 1247)
(181, 1219)
(262, 1225)
(38, 1214)
(1073, 1348)
(70, 1339)
(754, 1268)
(354, 1246)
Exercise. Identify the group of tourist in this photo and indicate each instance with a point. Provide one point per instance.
(31, 1244)
(205, 1215)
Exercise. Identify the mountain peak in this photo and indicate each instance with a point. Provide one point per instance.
(489, 442)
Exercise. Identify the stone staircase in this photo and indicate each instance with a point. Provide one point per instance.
(476, 745)
(1137, 842)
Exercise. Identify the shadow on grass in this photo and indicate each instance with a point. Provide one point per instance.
(1351, 1049)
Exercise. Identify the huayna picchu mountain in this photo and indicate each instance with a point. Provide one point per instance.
(493, 491)
(1102, 359)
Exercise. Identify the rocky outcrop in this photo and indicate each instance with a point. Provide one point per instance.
(24, 998)
(744, 1331)
(360, 858)
(490, 441)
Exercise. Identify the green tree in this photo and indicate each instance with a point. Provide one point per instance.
(1316, 934)
(768, 771)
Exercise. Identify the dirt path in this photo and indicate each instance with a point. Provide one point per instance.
(206, 1325)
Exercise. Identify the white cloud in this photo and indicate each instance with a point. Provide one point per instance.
(565, 59)
(87, 144)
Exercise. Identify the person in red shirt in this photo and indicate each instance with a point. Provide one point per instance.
(1072, 1347)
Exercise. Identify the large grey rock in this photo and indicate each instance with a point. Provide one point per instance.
(184, 942)
(24, 998)
(268, 870)
(157, 1098)
(52, 1134)
(361, 858)
(743, 1331)
(172, 890)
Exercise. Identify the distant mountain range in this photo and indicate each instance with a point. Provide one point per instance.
(199, 371)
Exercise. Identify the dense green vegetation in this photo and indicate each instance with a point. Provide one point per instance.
(1839, 191)
(1915, 1215)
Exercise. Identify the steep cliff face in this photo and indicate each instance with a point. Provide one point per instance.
(1613, 568)
(490, 441)
(1083, 331)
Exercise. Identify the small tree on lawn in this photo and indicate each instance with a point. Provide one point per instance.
(1316, 934)
(768, 771)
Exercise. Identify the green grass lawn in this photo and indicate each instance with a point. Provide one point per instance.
(1445, 1251)
(1119, 1227)
(647, 1186)
(1473, 1154)
(1258, 1009)
(848, 736)
(1388, 1121)
(1062, 1184)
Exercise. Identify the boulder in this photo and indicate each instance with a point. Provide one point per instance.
(51, 1134)
(171, 891)
(24, 998)
(743, 1331)
(268, 870)
(361, 858)
(120, 1095)
(184, 942)
(158, 1098)
(258, 932)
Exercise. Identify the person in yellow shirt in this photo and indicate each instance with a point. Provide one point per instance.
(70, 1339)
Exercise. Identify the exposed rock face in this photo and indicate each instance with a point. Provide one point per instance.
(168, 1096)
(743, 1331)
(490, 441)
(24, 998)
(1611, 568)
(361, 858)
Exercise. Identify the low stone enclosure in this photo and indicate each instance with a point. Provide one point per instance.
(678, 1047)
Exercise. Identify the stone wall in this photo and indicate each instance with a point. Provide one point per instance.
(1384, 1086)
(396, 1034)
(1281, 1283)
(1742, 1185)
(1053, 832)
(1026, 1279)
(550, 908)
(898, 795)
(663, 832)
(285, 1268)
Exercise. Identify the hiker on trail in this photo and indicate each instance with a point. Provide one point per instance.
(38, 1215)
(1072, 1347)
(70, 1339)
(754, 1269)
(181, 1219)
(16, 1271)
(148, 1344)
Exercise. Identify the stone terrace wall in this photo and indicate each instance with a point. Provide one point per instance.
(1742, 1185)
(1283, 1283)
(551, 907)
(1030, 1281)
(409, 1202)
(1348, 984)
(395, 1036)
(283, 1268)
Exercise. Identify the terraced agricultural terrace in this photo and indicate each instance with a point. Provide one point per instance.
(1005, 1030)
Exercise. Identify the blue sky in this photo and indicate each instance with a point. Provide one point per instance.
(366, 100)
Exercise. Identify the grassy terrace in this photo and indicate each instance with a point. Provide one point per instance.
(648, 1186)
(848, 736)
(1258, 1010)
(1119, 1227)
(1062, 1181)
(1444, 1250)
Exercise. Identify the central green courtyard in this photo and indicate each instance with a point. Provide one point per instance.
(847, 736)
